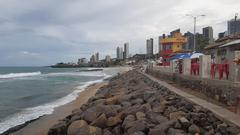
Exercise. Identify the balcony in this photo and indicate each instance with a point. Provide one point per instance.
(173, 40)
(166, 52)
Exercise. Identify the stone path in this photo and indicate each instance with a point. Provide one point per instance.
(220, 112)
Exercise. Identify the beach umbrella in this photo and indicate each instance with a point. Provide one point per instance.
(177, 56)
(185, 56)
(181, 56)
(196, 55)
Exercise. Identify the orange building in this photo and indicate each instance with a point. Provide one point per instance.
(172, 45)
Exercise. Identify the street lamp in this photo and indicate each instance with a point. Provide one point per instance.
(194, 35)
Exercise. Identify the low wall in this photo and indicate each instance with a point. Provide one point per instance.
(222, 91)
(163, 68)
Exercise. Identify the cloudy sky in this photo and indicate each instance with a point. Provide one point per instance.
(43, 32)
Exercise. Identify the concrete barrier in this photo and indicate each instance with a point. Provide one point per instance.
(238, 105)
(186, 66)
(222, 91)
(205, 66)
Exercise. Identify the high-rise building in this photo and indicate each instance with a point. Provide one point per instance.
(150, 47)
(124, 55)
(97, 57)
(208, 34)
(190, 41)
(82, 61)
(159, 44)
(233, 26)
(108, 58)
(93, 59)
(221, 35)
(126, 50)
(119, 53)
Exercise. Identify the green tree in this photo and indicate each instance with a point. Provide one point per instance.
(201, 42)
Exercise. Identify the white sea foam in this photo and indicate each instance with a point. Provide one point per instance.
(18, 75)
(29, 114)
(96, 74)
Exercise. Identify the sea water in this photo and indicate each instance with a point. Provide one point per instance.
(26, 93)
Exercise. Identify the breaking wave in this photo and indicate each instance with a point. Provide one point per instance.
(18, 75)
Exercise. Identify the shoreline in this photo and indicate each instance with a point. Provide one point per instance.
(41, 125)
(134, 104)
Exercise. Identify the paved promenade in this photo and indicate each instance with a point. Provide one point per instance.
(219, 111)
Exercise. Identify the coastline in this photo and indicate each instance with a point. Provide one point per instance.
(134, 104)
(41, 125)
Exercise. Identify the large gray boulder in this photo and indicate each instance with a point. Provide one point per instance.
(92, 113)
(112, 121)
(79, 127)
(138, 133)
(194, 129)
(58, 129)
(128, 119)
(156, 118)
(140, 115)
(100, 121)
(173, 131)
(137, 126)
(162, 128)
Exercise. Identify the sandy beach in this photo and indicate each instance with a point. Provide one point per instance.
(42, 125)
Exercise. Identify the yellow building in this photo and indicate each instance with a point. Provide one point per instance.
(173, 44)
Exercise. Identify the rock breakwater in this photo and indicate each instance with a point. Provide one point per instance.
(132, 104)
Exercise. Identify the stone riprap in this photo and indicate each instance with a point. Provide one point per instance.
(132, 104)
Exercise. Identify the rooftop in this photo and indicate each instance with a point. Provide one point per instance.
(231, 43)
(223, 41)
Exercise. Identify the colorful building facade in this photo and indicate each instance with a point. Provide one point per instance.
(172, 45)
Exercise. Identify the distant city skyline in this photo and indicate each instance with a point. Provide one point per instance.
(43, 32)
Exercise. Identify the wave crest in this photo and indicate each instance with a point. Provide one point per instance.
(90, 74)
(17, 75)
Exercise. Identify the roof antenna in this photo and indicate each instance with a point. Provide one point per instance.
(235, 21)
(236, 15)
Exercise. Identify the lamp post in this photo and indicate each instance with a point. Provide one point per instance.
(194, 25)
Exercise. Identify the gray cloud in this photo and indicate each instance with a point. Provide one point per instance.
(42, 32)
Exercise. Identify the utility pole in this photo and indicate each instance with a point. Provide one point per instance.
(194, 31)
(194, 34)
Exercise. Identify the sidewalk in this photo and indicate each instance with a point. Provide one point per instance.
(220, 112)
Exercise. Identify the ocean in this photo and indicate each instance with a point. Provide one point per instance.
(26, 93)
